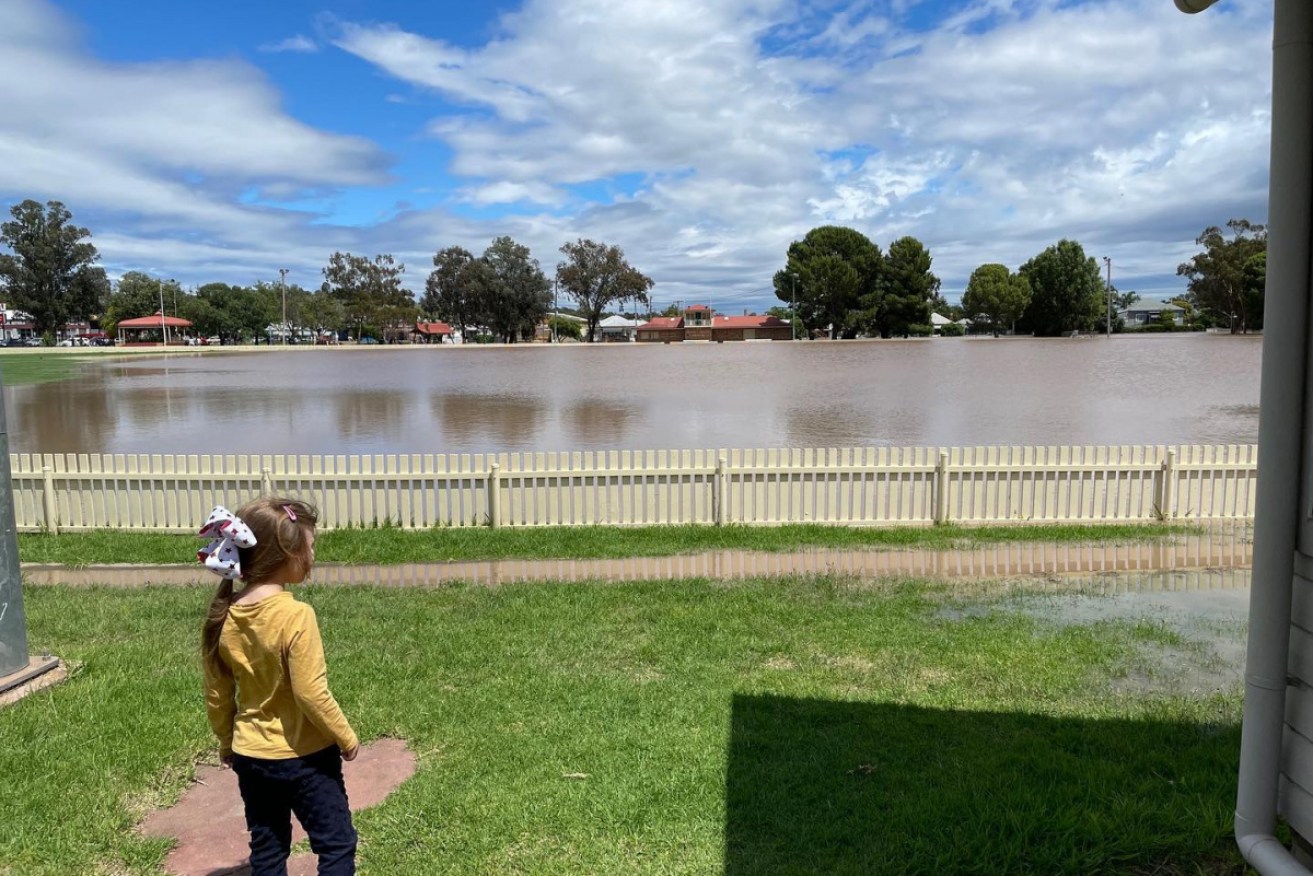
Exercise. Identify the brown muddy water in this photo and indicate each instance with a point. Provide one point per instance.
(946, 391)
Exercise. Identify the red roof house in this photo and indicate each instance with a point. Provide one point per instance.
(430, 332)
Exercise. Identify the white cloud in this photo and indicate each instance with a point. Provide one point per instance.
(298, 43)
(1120, 123)
(1009, 126)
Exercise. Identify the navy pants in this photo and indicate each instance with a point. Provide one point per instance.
(309, 786)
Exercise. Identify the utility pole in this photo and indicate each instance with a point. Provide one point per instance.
(282, 286)
(1108, 327)
(556, 314)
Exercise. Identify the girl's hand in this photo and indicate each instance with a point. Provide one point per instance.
(351, 755)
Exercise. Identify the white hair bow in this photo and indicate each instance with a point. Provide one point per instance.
(228, 533)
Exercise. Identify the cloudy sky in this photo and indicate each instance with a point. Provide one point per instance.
(225, 141)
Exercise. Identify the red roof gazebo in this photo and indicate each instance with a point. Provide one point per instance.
(143, 325)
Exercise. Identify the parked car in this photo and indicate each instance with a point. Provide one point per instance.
(368, 341)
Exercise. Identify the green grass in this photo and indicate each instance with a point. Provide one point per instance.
(390, 545)
(18, 369)
(801, 725)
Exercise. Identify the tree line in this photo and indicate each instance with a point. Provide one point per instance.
(50, 273)
(837, 279)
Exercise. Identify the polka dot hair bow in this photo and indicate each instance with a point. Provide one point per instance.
(227, 533)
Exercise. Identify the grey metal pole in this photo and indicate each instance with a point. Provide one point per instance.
(282, 286)
(13, 622)
(1108, 295)
(164, 328)
(793, 309)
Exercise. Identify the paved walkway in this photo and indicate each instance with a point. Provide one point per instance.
(210, 827)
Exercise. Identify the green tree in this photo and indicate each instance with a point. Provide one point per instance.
(1067, 292)
(672, 310)
(136, 295)
(449, 291)
(234, 313)
(366, 288)
(940, 305)
(907, 286)
(565, 328)
(49, 271)
(516, 295)
(1223, 281)
(995, 297)
(596, 276)
(836, 273)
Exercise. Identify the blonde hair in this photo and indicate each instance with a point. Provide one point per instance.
(282, 529)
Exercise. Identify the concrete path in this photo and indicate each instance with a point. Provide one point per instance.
(210, 826)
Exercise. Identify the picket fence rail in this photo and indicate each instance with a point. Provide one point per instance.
(849, 486)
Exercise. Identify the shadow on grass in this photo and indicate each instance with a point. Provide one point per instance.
(829, 787)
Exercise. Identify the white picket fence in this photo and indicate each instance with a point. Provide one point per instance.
(850, 486)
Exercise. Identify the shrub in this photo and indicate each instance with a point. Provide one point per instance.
(952, 330)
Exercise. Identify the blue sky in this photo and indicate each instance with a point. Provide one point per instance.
(213, 142)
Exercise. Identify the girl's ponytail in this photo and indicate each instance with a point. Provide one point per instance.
(214, 619)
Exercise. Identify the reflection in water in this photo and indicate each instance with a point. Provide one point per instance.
(833, 424)
(366, 416)
(588, 420)
(471, 421)
(948, 391)
(1218, 558)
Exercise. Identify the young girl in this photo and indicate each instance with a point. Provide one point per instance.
(266, 687)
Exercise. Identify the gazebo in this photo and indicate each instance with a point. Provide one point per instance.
(144, 326)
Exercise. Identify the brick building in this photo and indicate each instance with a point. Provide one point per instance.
(699, 324)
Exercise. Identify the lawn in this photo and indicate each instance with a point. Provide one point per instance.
(771, 726)
(390, 545)
(18, 369)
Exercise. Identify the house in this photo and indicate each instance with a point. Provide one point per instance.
(618, 328)
(938, 322)
(1149, 312)
(699, 323)
(430, 333)
(542, 332)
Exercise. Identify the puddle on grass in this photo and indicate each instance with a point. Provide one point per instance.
(1221, 547)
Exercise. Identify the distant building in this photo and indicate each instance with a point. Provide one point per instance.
(618, 328)
(699, 324)
(430, 333)
(1149, 312)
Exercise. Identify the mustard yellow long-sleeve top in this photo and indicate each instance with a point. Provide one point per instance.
(274, 702)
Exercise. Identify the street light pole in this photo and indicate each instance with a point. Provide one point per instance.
(793, 309)
(164, 328)
(555, 311)
(282, 286)
(1108, 327)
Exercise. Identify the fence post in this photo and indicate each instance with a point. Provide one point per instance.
(718, 493)
(267, 481)
(1167, 507)
(494, 495)
(941, 488)
(48, 489)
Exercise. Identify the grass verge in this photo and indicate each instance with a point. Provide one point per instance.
(391, 545)
(18, 369)
(804, 725)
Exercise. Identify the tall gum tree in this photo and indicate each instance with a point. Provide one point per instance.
(1226, 280)
(49, 271)
(596, 276)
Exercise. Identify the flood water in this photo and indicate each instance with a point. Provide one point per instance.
(946, 391)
